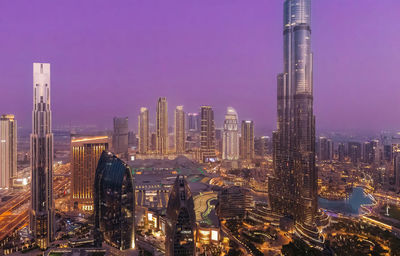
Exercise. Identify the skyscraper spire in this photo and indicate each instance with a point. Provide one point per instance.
(42, 204)
(293, 191)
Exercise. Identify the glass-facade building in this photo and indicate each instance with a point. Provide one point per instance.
(181, 220)
(293, 190)
(114, 203)
(230, 136)
(42, 203)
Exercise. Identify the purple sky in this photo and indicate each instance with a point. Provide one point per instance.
(112, 57)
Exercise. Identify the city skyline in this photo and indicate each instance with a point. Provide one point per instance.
(244, 54)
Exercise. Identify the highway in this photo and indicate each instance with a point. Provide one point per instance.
(14, 214)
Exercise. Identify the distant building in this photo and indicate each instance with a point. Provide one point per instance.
(181, 220)
(230, 137)
(162, 126)
(262, 145)
(8, 150)
(370, 152)
(132, 139)
(341, 152)
(247, 140)
(180, 137)
(325, 149)
(207, 139)
(396, 165)
(114, 203)
(42, 223)
(354, 152)
(143, 129)
(153, 141)
(85, 154)
(234, 202)
(194, 122)
(120, 136)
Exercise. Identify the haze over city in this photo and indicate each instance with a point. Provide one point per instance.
(110, 58)
(200, 128)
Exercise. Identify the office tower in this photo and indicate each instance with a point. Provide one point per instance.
(341, 152)
(181, 220)
(230, 136)
(194, 122)
(133, 141)
(162, 126)
(325, 149)
(396, 165)
(120, 136)
(261, 145)
(247, 140)
(8, 150)
(293, 190)
(42, 205)
(143, 128)
(180, 137)
(114, 203)
(354, 152)
(234, 202)
(370, 151)
(207, 137)
(85, 154)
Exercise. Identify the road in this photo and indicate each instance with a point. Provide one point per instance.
(14, 214)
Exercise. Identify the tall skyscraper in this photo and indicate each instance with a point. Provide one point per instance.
(262, 145)
(42, 204)
(293, 191)
(207, 138)
(85, 154)
(181, 220)
(325, 149)
(230, 136)
(144, 139)
(8, 150)
(354, 152)
(370, 152)
(247, 140)
(396, 165)
(162, 126)
(180, 137)
(341, 152)
(120, 135)
(114, 203)
(194, 122)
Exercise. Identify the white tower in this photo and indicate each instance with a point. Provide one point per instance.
(42, 204)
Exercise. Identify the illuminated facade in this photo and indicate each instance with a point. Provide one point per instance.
(85, 154)
(114, 203)
(247, 140)
(207, 137)
(42, 204)
(234, 202)
(180, 137)
(396, 165)
(143, 128)
(181, 221)
(162, 126)
(8, 150)
(293, 191)
(120, 136)
(230, 136)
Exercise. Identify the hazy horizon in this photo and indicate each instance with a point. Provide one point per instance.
(111, 58)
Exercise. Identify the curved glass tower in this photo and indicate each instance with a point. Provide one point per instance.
(293, 191)
(114, 203)
(181, 220)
